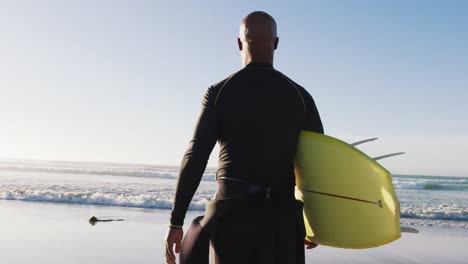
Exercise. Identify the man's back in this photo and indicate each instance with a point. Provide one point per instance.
(259, 113)
(256, 115)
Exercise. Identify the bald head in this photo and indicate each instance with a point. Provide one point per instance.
(257, 38)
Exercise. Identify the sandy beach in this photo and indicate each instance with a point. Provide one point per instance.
(37, 232)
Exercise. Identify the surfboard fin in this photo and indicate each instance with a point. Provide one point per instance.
(408, 230)
(363, 141)
(388, 155)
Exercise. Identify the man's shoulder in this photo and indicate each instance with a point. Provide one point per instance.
(294, 83)
(225, 81)
(214, 89)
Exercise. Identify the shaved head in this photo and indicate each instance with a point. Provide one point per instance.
(258, 27)
(257, 38)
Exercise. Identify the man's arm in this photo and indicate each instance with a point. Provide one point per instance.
(195, 159)
(312, 120)
(191, 171)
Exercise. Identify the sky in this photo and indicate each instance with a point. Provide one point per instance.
(122, 81)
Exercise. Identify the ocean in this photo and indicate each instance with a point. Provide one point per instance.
(438, 201)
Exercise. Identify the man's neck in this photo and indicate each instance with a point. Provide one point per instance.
(257, 60)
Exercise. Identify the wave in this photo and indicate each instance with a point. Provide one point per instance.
(50, 182)
(434, 184)
(117, 196)
(161, 197)
(61, 182)
(434, 223)
(101, 169)
(435, 212)
(435, 187)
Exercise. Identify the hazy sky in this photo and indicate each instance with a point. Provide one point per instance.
(122, 81)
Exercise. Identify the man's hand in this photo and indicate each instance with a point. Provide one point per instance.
(309, 245)
(174, 236)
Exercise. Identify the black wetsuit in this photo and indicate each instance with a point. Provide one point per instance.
(256, 115)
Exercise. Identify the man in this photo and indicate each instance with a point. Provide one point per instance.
(256, 115)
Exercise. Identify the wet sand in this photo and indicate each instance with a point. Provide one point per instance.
(35, 232)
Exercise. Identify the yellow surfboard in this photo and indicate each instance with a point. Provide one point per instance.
(349, 200)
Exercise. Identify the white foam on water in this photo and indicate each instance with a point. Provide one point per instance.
(110, 196)
(425, 200)
(130, 185)
(435, 211)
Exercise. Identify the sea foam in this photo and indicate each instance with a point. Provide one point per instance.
(424, 200)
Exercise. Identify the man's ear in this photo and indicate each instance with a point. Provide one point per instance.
(276, 43)
(239, 44)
